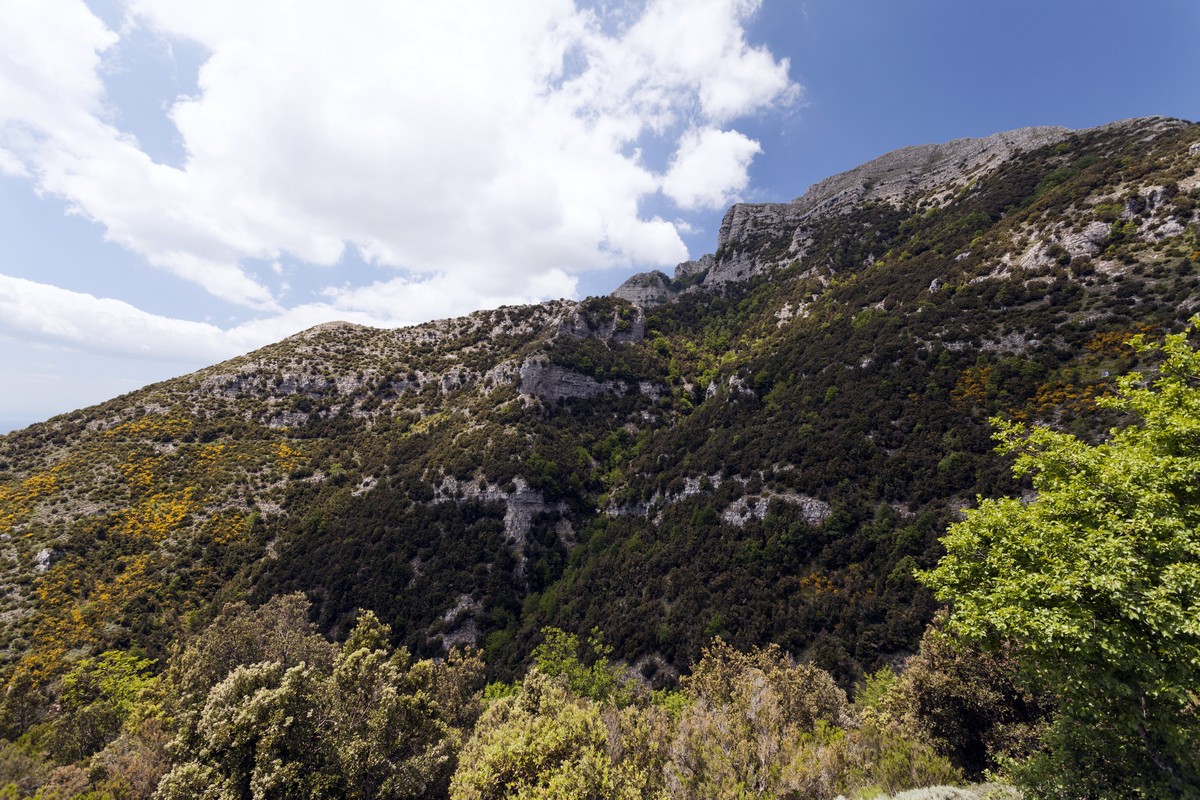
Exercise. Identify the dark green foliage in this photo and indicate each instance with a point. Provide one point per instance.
(970, 703)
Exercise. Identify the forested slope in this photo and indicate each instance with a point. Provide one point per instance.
(763, 448)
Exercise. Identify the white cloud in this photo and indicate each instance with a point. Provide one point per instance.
(710, 168)
(38, 312)
(31, 311)
(481, 148)
(52, 126)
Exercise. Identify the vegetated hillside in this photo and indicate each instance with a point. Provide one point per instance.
(764, 448)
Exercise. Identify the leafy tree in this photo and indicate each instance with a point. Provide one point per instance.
(96, 697)
(388, 734)
(746, 722)
(1096, 585)
(559, 654)
(369, 725)
(761, 725)
(277, 632)
(22, 704)
(546, 742)
(966, 701)
(22, 769)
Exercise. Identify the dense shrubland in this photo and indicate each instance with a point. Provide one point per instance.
(259, 705)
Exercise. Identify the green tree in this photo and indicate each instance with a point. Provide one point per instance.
(746, 720)
(761, 725)
(546, 742)
(966, 701)
(384, 723)
(368, 725)
(1095, 584)
(279, 632)
(96, 697)
(559, 654)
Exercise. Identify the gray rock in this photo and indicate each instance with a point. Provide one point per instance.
(43, 559)
(521, 506)
(1171, 227)
(1089, 241)
(896, 177)
(646, 289)
(689, 268)
(744, 509)
(539, 378)
(911, 171)
(611, 329)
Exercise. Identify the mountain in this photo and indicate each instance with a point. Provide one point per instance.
(763, 445)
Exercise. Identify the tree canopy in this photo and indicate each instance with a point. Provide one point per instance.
(1095, 582)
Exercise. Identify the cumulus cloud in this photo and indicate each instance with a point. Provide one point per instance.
(709, 168)
(53, 126)
(486, 149)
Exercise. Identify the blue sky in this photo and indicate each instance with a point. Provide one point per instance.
(183, 182)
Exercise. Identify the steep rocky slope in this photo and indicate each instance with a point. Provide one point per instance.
(763, 445)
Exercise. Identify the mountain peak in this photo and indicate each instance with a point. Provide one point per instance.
(915, 170)
(757, 237)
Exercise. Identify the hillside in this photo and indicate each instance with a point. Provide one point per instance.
(762, 446)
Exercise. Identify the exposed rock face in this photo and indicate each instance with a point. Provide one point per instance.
(521, 506)
(649, 289)
(608, 329)
(689, 268)
(249, 379)
(540, 378)
(912, 171)
(757, 237)
(462, 629)
(1087, 242)
(646, 289)
(43, 559)
(745, 509)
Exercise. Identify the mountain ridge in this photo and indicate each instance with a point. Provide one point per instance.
(907, 174)
(765, 457)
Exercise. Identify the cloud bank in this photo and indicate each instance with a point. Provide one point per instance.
(477, 153)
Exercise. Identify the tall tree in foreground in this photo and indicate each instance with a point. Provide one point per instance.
(1095, 583)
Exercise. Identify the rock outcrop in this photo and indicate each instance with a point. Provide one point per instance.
(617, 327)
(540, 378)
(646, 289)
(755, 237)
(649, 289)
(913, 171)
